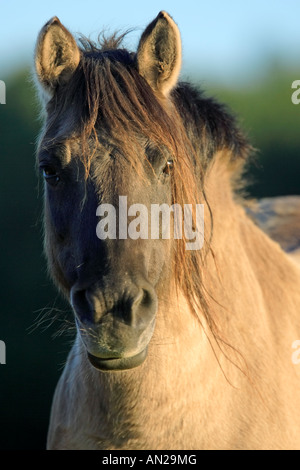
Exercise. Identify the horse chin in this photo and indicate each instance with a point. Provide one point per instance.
(118, 363)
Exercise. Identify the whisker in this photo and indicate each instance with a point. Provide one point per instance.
(50, 316)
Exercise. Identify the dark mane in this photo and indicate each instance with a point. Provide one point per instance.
(111, 42)
(209, 124)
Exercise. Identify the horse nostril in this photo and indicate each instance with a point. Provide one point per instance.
(132, 307)
(80, 303)
(143, 299)
(147, 299)
(143, 306)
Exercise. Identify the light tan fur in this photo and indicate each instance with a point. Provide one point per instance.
(231, 387)
(189, 394)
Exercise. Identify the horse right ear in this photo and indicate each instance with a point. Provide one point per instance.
(56, 56)
(159, 54)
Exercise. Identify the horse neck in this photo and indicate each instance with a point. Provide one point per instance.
(235, 271)
(221, 201)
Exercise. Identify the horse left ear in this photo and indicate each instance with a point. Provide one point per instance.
(56, 56)
(159, 54)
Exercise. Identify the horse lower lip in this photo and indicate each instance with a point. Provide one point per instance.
(120, 363)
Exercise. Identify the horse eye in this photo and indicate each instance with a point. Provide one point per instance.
(50, 175)
(169, 167)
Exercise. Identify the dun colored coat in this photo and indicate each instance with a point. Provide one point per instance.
(175, 348)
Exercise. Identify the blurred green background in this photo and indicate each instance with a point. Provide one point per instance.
(34, 320)
(28, 300)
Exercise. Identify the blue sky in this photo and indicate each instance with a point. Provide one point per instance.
(229, 40)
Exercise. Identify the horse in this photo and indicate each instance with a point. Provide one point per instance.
(175, 348)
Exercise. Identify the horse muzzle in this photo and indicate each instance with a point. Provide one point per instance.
(115, 325)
